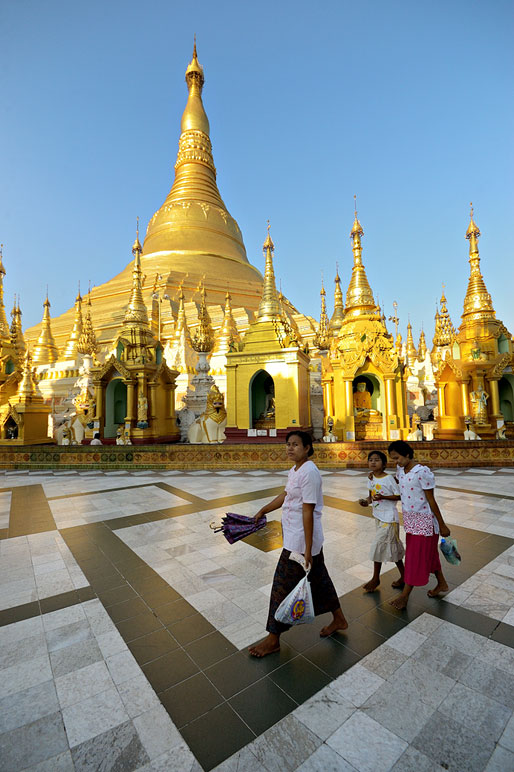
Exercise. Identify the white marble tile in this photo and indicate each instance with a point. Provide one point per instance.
(366, 744)
(357, 684)
(285, 746)
(325, 711)
(406, 641)
(83, 683)
(123, 667)
(24, 675)
(93, 716)
(137, 696)
(157, 732)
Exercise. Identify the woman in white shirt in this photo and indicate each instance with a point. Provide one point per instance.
(302, 503)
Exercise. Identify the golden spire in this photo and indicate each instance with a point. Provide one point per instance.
(17, 338)
(203, 339)
(228, 335)
(136, 313)
(71, 350)
(45, 352)
(410, 351)
(338, 316)
(193, 224)
(359, 298)
(422, 346)
(322, 337)
(477, 303)
(444, 329)
(87, 343)
(26, 388)
(181, 320)
(4, 325)
(269, 307)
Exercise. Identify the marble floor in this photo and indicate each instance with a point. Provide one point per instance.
(125, 622)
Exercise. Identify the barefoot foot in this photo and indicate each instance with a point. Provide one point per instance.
(269, 645)
(333, 627)
(438, 591)
(399, 602)
(371, 586)
(398, 585)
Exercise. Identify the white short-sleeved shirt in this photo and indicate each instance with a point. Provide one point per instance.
(303, 487)
(386, 511)
(418, 518)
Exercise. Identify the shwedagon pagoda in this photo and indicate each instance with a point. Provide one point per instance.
(190, 343)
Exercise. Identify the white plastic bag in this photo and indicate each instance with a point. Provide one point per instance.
(297, 608)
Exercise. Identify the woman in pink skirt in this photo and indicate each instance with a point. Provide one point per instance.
(422, 521)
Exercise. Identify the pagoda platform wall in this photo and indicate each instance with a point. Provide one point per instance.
(186, 457)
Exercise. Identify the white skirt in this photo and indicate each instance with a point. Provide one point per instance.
(387, 547)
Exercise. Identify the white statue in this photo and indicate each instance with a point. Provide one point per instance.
(469, 434)
(330, 436)
(416, 435)
(210, 426)
(479, 399)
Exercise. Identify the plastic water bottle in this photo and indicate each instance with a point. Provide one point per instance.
(449, 549)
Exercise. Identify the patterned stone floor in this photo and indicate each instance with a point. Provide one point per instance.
(124, 623)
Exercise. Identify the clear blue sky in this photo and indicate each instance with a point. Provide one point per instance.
(408, 104)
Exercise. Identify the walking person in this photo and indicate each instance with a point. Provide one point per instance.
(422, 521)
(302, 503)
(383, 494)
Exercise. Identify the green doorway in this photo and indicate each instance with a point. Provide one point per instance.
(115, 406)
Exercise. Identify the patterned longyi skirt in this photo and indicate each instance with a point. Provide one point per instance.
(287, 575)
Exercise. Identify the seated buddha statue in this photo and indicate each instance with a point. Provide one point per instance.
(361, 398)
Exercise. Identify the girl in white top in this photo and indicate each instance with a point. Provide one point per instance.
(383, 494)
(301, 502)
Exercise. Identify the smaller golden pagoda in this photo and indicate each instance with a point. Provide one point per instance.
(17, 338)
(24, 418)
(337, 317)
(87, 343)
(474, 381)
(268, 379)
(134, 389)
(410, 348)
(228, 338)
(364, 376)
(71, 349)
(422, 346)
(45, 352)
(322, 336)
(8, 351)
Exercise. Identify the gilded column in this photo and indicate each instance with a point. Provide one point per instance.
(130, 401)
(99, 400)
(495, 398)
(464, 388)
(153, 400)
(440, 399)
(348, 394)
(390, 396)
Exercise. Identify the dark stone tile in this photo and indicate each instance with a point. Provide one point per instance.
(300, 679)
(26, 611)
(117, 595)
(216, 736)
(504, 634)
(381, 622)
(238, 671)
(361, 639)
(210, 649)
(127, 609)
(470, 620)
(137, 569)
(262, 705)
(159, 596)
(302, 637)
(332, 657)
(190, 699)
(452, 745)
(134, 628)
(105, 581)
(170, 669)
(174, 611)
(354, 605)
(413, 610)
(190, 629)
(118, 749)
(33, 743)
(56, 602)
(86, 593)
(152, 646)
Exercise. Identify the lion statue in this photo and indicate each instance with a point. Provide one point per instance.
(210, 426)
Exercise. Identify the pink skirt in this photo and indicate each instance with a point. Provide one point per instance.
(421, 558)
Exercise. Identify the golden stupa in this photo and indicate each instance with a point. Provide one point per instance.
(191, 238)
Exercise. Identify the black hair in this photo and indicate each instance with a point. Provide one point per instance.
(402, 448)
(382, 457)
(305, 438)
(97, 436)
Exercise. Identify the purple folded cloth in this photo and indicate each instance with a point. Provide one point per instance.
(235, 527)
